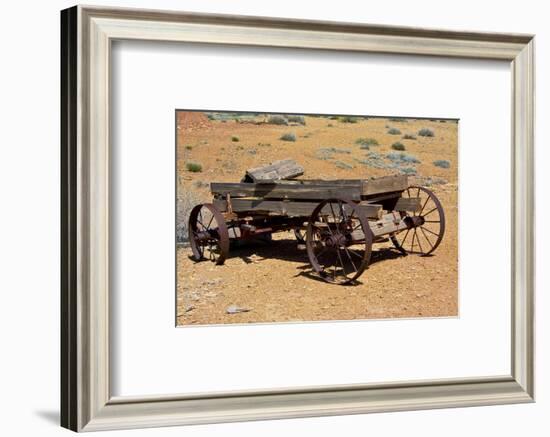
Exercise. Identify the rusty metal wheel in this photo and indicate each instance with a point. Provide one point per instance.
(424, 238)
(338, 241)
(208, 234)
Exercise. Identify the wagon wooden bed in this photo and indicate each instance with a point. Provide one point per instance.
(338, 220)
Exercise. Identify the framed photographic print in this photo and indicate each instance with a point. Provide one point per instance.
(270, 218)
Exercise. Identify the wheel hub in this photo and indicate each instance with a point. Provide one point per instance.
(335, 240)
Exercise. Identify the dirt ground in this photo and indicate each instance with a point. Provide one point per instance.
(274, 281)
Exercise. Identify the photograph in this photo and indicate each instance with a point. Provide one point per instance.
(314, 217)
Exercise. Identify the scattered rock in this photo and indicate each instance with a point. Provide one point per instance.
(234, 309)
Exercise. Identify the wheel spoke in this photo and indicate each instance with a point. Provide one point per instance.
(406, 235)
(437, 235)
(332, 210)
(424, 206)
(418, 240)
(426, 237)
(353, 252)
(350, 260)
(429, 212)
(341, 261)
(210, 222)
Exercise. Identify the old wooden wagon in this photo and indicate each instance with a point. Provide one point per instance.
(338, 220)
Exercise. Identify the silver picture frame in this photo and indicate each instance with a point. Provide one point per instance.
(86, 400)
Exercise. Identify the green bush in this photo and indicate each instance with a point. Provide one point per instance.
(277, 119)
(193, 167)
(425, 132)
(409, 137)
(442, 163)
(235, 139)
(394, 131)
(398, 146)
(288, 137)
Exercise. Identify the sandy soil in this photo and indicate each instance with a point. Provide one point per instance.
(274, 281)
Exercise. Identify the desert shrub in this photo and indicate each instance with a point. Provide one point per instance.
(288, 137)
(333, 117)
(336, 150)
(193, 167)
(443, 121)
(409, 137)
(425, 132)
(188, 147)
(296, 119)
(398, 120)
(235, 139)
(374, 160)
(347, 119)
(442, 163)
(402, 158)
(428, 181)
(366, 142)
(325, 153)
(394, 131)
(407, 170)
(330, 125)
(343, 165)
(398, 146)
(277, 119)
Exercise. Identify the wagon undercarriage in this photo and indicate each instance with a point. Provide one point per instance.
(339, 221)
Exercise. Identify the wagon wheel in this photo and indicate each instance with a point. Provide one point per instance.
(338, 241)
(426, 236)
(208, 234)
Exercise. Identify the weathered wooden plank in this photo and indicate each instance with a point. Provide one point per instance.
(391, 222)
(385, 184)
(283, 169)
(407, 204)
(330, 182)
(286, 191)
(288, 208)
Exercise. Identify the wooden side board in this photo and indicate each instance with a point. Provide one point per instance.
(314, 189)
(286, 191)
(291, 209)
(384, 184)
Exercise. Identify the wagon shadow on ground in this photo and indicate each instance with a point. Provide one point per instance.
(257, 251)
